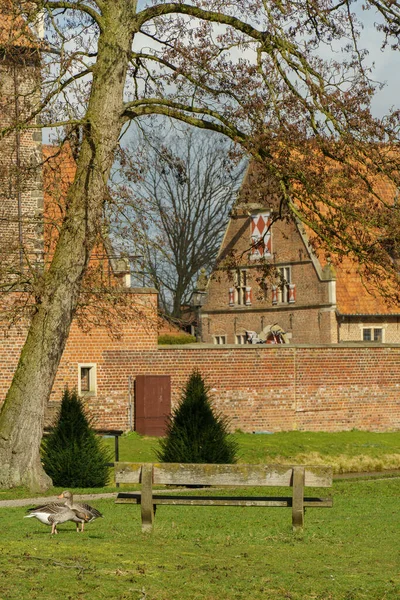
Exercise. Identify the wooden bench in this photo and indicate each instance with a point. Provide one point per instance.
(148, 474)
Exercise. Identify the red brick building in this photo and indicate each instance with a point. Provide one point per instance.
(311, 302)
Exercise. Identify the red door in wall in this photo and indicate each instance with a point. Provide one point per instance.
(152, 404)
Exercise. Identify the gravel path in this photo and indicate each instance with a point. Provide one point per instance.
(47, 499)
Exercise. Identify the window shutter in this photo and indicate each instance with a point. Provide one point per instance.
(248, 296)
(260, 232)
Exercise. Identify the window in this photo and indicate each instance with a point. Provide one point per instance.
(260, 235)
(240, 294)
(241, 339)
(240, 286)
(87, 384)
(372, 334)
(219, 339)
(285, 291)
(285, 280)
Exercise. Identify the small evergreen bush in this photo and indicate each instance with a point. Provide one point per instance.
(167, 339)
(73, 455)
(195, 433)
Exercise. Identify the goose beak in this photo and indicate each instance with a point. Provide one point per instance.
(60, 496)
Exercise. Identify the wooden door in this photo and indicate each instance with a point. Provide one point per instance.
(152, 404)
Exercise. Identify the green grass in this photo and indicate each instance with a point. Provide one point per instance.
(176, 339)
(22, 492)
(347, 451)
(349, 552)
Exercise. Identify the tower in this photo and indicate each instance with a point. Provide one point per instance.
(21, 193)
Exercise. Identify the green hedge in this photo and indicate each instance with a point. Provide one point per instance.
(166, 339)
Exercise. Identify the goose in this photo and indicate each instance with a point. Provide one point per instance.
(81, 508)
(55, 513)
(66, 515)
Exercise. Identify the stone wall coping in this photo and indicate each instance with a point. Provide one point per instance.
(200, 346)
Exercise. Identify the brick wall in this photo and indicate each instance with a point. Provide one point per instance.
(352, 329)
(109, 407)
(260, 388)
(303, 325)
(93, 345)
(274, 388)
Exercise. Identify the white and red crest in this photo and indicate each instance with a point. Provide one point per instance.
(261, 235)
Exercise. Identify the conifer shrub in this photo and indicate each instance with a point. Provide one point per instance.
(195, 432)
(73, 455)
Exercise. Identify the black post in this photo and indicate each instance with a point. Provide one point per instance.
(116, 449)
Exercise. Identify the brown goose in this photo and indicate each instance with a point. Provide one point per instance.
(55, 513)
(81, 508)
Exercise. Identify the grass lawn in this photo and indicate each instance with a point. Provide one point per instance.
(347, 451)
(349, 552)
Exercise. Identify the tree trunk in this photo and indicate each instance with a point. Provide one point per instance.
(22, 415)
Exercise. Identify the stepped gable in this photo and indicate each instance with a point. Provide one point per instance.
(355, 295)
(58, 174)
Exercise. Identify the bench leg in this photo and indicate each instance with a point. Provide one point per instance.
(298, 498)
(147, 508)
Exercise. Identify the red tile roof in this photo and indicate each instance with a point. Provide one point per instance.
(355, 295)
(58, 173)
(14, 30)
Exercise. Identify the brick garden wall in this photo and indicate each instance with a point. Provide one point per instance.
(260, 388)
(139, 333)
(326, 388)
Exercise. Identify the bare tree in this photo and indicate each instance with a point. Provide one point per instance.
(179, 208)
(249, 69)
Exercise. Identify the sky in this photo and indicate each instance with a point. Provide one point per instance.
(387, 65)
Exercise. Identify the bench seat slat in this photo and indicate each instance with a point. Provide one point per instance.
(159, 499)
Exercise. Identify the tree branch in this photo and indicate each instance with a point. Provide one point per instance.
(78, 6)
(153, 12)
(178, 111)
